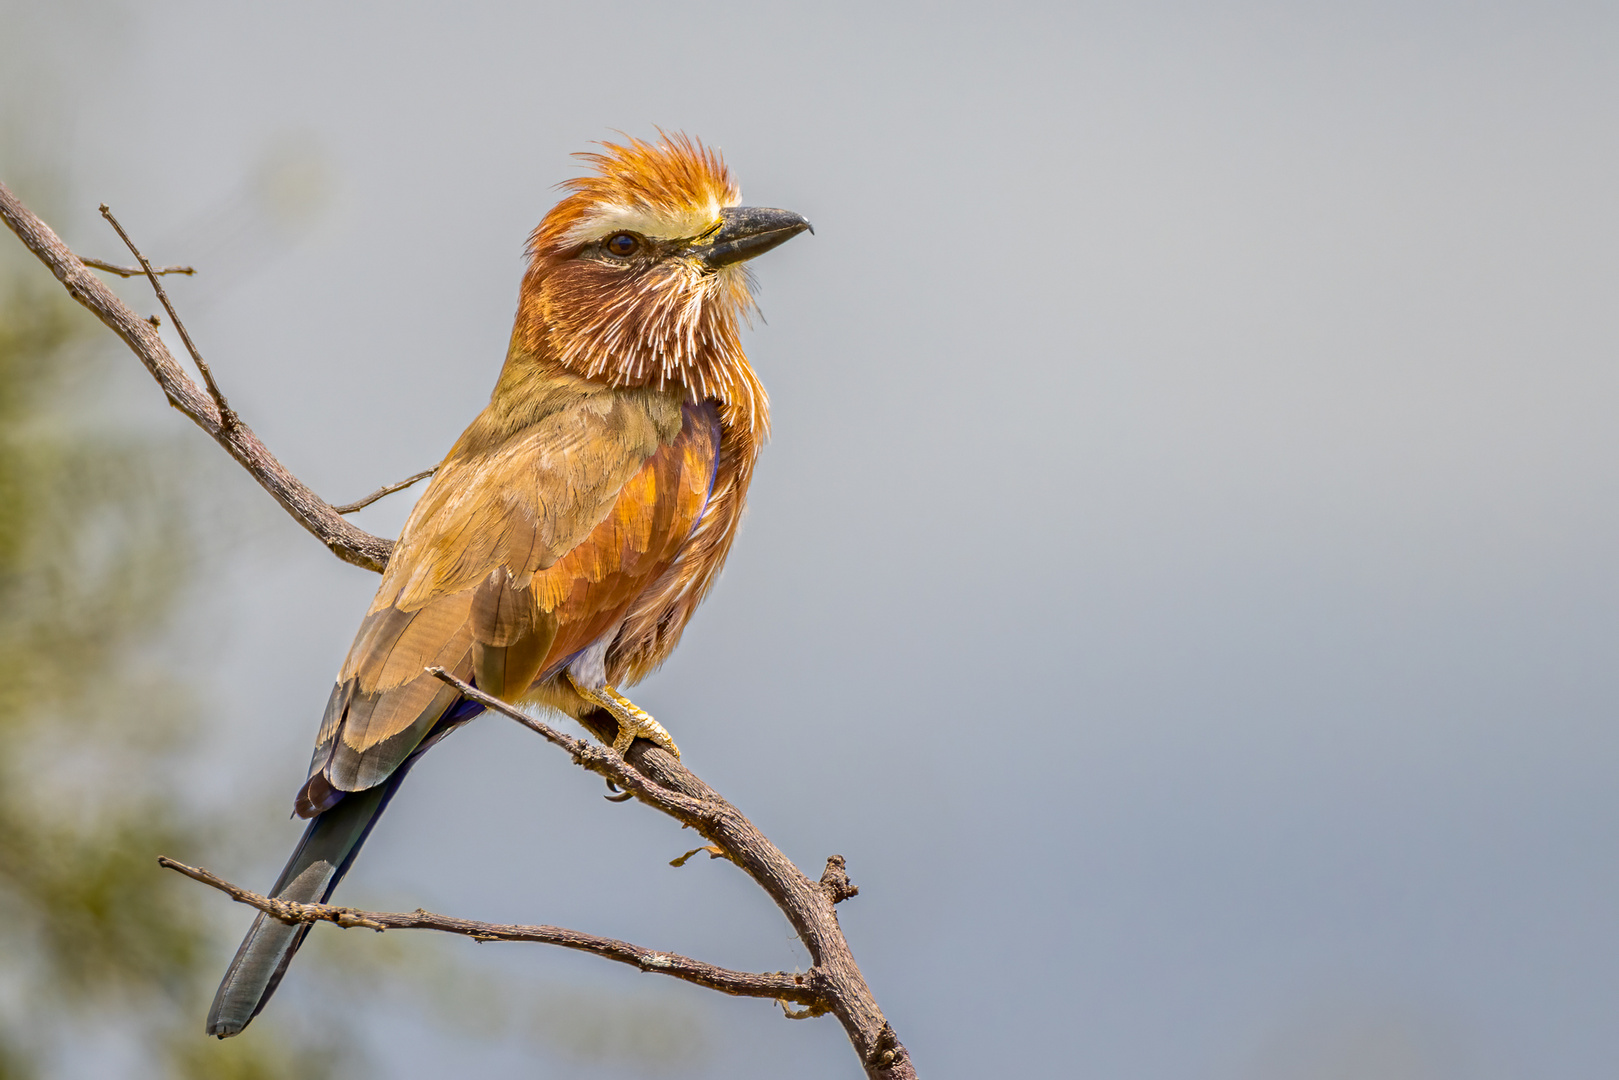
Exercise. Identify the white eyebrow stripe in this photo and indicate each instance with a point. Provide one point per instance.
(610, 218)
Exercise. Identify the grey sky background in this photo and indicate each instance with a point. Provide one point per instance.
(1182, 580)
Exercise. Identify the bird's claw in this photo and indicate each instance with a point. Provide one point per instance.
(633, 721)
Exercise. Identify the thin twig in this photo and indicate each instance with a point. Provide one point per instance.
(361, 504)
(227, 416)
(602, 760)
(135, 271)
(802, 988)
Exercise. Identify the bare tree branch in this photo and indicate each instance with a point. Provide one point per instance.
(136, 271)
(656, 777)
(361, 504)
(646, 772)
(796, 987)
(348, 542)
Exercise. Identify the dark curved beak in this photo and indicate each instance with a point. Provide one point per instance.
(746, 232)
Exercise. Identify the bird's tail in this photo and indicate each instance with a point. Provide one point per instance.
(319, 862)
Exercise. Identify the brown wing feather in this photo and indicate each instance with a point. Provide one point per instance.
(592, 587)
(529, 500)
(511, 635)
(515, 559)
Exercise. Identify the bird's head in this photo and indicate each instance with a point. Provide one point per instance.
(637, 277)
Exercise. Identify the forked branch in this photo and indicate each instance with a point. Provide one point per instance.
(647, 773)
(347, 542)
(796, 987)
(659, 779)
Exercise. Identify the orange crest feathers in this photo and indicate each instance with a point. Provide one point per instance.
(672, 188)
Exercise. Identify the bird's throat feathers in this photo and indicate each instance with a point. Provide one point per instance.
(657, 317)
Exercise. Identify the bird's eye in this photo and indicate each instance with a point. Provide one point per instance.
(623, 244)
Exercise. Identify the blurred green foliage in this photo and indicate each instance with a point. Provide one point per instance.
(108, 962)
(95, 542)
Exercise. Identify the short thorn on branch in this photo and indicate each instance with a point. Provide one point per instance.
(228, 419)
(835, 881)
(888, 1051)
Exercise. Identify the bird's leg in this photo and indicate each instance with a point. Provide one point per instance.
(633, 721)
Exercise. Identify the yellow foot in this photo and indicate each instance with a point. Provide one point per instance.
(633, 721)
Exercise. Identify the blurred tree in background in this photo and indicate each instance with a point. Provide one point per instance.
(95, 541)
(108, 962)
(107, 958)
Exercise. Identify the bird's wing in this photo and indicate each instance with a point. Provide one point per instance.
(514, 560)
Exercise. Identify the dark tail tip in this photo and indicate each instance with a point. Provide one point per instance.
(253, 975)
